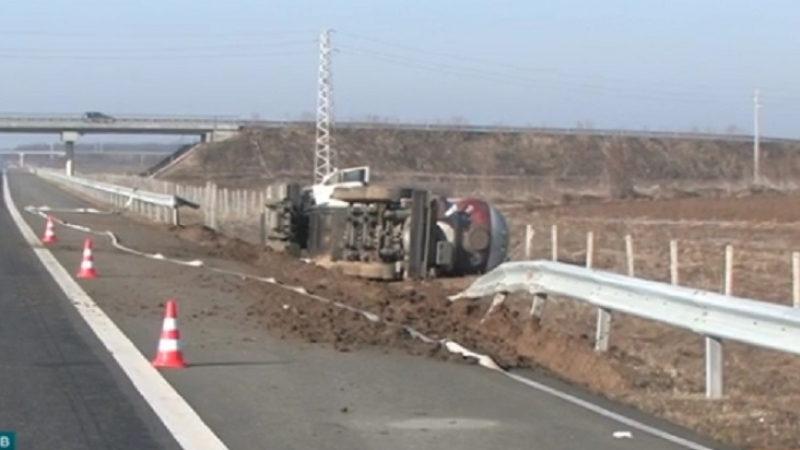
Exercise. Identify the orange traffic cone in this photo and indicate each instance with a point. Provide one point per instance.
(87, 262)
(49, 232)
(169, 353)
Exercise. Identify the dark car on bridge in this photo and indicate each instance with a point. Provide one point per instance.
(98, 116)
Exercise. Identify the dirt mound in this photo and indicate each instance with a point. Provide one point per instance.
(617, 164)
(507, 335)
(646, 381)
(218, 244)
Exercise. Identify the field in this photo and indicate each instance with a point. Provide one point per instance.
(654, 367)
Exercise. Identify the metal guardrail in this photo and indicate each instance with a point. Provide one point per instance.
(137, 200)
(716, 316)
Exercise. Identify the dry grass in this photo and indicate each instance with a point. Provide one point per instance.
(501, 165)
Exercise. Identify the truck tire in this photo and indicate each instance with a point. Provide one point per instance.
(378, 271)
(369, 194)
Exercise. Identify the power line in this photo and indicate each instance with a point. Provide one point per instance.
(105, 35)
(495, 76)
(500, 64)
(165, 57)
(559, 77)
(73, 50)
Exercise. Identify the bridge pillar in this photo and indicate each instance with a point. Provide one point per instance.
(69, 138)
(217, 136)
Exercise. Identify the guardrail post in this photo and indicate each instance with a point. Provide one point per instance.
(497, 300)
(537, 306)
(714, 364)
(554, 241)
(713, 368)
(603, 330)
(603, 327)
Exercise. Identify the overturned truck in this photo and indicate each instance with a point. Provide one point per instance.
(385, 233)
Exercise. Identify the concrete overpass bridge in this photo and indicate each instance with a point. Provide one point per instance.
(71, 127)
(209, 128)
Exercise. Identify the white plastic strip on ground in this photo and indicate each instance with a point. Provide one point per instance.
(451, 346)
(178, 417)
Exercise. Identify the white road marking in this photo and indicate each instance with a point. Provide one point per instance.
(599, 410)
(180, 419)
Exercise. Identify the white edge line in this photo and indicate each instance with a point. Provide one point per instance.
(600, 411)
(175, 413)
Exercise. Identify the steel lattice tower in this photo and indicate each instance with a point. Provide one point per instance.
(324, 155)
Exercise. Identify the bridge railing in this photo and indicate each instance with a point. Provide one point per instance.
(76, 116)
(160, 207)
(717, 317)
(230, 122)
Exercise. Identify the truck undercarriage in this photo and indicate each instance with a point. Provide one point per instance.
(385, 233)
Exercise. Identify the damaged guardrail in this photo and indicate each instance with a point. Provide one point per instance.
(161, 207)
(718, 317)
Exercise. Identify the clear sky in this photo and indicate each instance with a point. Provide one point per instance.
(665, 65)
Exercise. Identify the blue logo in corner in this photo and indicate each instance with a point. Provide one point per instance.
(8, 440)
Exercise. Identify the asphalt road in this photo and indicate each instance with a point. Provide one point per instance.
(58, 387)
(254, 391)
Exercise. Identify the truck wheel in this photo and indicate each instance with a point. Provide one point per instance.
(378, 271)
(369, 194)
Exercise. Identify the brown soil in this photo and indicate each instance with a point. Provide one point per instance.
(511, 341)
(653, 367)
